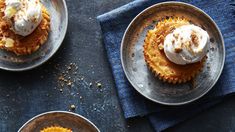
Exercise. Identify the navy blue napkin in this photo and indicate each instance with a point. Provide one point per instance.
(113, 25)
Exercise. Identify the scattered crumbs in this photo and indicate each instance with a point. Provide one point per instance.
(69, 83)
(66, 77)
(69, 68)
(90, 84)
(80, 97)
(61, 90)
(72, 107)
(99, 85)
(8, 95)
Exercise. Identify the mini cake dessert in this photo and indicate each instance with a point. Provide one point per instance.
(24, 25)
(175, 50)
(56, 129)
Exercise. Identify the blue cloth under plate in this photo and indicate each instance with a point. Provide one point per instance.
(113, 25)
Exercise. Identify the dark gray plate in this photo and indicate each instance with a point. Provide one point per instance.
(59, 21)
(144, 81)
(64, 119)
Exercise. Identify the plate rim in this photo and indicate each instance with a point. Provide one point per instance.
(60, 112)
(60, 41)
(135, 86)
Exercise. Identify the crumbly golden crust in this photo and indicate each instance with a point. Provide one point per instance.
(56, 129)
(24, 45)
(158, 62)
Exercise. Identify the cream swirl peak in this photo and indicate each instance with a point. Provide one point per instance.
(24, 15)
(186, 44)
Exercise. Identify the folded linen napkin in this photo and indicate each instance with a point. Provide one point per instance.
(113, 25)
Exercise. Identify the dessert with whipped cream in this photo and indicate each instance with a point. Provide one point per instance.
(175, 50)
(25, 23)
(186, 44)
(24, 15)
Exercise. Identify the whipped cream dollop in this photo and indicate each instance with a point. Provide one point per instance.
(186, 44)
(24, 15)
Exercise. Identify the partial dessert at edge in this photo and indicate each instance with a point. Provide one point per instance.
(175, 50)
(56, 129)
(24, 26)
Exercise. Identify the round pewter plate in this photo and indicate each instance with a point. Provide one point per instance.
(64, 119)
(143, 79)
(59, 21)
